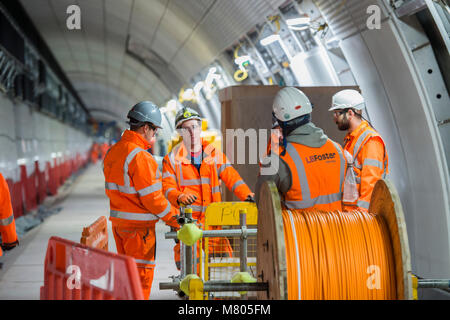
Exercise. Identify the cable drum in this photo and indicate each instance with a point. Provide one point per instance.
(305, 254)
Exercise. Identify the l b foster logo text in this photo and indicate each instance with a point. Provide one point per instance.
(321, 157)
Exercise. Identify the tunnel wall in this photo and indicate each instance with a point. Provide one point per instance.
(401, 109)
(38, 153)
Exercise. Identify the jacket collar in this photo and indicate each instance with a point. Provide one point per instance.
(136, 138)
(308, 135)
(182, 155)
(362, 126)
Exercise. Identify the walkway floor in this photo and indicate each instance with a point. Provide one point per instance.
(82, 203)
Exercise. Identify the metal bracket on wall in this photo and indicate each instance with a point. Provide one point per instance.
(407, 8)
(442, 122)
(9, 69)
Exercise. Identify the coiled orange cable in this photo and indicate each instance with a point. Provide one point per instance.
(338, 256)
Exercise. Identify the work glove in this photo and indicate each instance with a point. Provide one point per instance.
(10, 245)
(242, 277)
(250, 198)
(184, 285)
(186, 199)
(189, 234)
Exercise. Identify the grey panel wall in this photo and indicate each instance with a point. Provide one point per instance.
(400, 108)
(27, 136)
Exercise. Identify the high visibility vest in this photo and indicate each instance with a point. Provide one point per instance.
(7, 222)
(317, 176)
(133, 184)
(355, 144)
(181, 176)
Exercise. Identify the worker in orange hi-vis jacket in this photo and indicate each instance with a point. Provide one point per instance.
(370, 158)
(311, 167)
(134, 188)
(192, 172)
(7, 222)
(276, 137)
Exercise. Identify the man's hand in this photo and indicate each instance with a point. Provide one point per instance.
(186, 199)
(9, 246)
(251, 198)
(189, 234)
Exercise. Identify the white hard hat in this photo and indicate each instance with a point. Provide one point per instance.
(290, 103)
(346, 99)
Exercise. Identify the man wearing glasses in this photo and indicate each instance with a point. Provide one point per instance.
(134, 188)
(192, 172)
(370, 159)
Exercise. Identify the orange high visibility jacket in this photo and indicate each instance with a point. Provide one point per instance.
(317, 176)
(133, 184)
(7, 222)
(370, 161)
(181, 176)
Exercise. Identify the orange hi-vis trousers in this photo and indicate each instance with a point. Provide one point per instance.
(139, 243)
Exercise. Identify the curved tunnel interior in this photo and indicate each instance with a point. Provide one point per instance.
(70, 71)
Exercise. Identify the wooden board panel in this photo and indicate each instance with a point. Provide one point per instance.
(385, 201)
(271, 251)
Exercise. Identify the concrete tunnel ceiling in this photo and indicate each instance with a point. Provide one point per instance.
(182, 36)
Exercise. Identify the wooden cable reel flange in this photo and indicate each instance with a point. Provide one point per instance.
(385, 202)
(270, 253)
(271, 248)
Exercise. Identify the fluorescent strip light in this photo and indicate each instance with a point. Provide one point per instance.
(270, 39)
(298, 21)
(298, 28)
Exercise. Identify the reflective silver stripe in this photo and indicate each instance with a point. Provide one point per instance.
(363, 204)
(358, 143)
(166, 194)
(172, 154)
(123, 189)
(198, 208)
(150, 189)
(168, 174)
(306, 194)
(193, 182)
(373, 163)
(165, 212)
(237, 184)
(215, 189)
(126, 188)
(172, 159)
(223, 167)
(151, 262)
(306, 203)
(133, 216)
(7, 221)
(130, 157)
(190, 182)
(341, 175)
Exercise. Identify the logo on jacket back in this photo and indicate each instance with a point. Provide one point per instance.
(316, 157)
